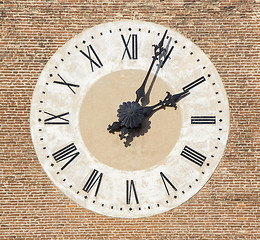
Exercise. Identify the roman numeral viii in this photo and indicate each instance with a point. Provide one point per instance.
(130, 46)
(68, 153)
(90, 55)
(93, 180)
(56, 119)
(130, 188)
(193, 156)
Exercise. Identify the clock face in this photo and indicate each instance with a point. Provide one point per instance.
(163, 160)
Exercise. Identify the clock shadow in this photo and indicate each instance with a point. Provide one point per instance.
(142, 129)
(146, 99)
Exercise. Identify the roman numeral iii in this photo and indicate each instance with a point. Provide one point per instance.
(193, 156)
(93, 180)
(203, 120)
(130, 46)
(90, 55)
(68, 153)
(130, 188)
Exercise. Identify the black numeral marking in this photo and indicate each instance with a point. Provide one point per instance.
(92, 180)
(132, 52)
(56, 119)
(67, 153)
(165, 179)
(203, 120)
(88, 55)
(193, 156)
(194, 83)
(69, 85)
(130, 187)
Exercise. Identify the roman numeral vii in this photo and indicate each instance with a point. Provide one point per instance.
(93, 180)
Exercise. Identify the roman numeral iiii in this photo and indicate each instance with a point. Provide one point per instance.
(193, 156)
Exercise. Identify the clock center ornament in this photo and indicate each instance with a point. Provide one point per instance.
(174, 126)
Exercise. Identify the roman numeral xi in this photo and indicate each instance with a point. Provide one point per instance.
(92, 56)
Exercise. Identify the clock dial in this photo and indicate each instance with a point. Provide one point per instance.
(164, 158)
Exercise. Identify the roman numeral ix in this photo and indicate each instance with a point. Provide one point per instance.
(68, 153)
(56, 119)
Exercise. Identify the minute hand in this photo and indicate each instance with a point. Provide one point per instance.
(158, 49)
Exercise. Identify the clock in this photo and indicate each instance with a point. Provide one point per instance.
(129, 119)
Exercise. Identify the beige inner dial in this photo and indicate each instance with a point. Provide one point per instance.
(145, 147)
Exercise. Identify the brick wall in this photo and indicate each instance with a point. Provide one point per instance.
(32, 207)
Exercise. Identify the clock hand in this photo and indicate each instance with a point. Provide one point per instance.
(169, 101)
(158, 50)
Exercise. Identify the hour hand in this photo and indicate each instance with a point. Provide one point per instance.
(169, 101)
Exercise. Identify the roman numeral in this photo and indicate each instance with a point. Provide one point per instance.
(63, 82)
(56, 119)
(88, 55)
(132, 52)
(92, 180)
(165, 180)
(194, 84)
(130, 188)
(193, 156)
(67, 153)
(203, 119)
